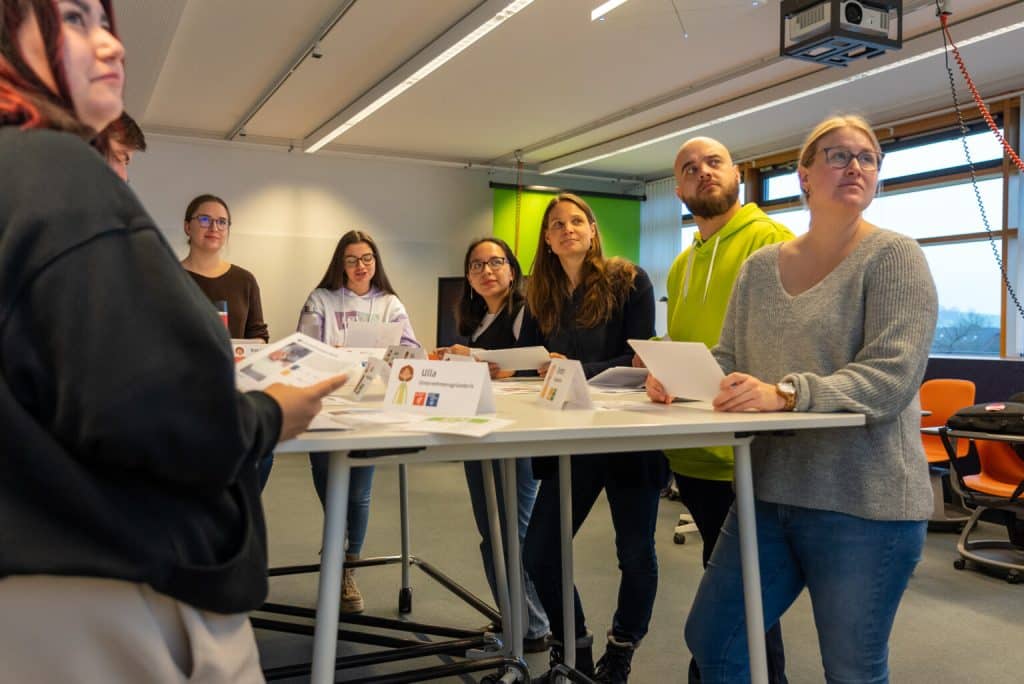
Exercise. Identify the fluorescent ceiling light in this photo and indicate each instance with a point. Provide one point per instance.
(600, 152)
(605, 8)
(322, 137)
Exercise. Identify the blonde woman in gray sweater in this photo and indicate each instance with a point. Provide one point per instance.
(840, 319)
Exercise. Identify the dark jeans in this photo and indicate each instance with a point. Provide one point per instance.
(708, 502)
(360, 485)
(634, 513)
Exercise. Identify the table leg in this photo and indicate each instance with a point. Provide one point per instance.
(497, 549)
(565, 519)
(517, 590)
(403, 504)
(750, 564)
(325, 635)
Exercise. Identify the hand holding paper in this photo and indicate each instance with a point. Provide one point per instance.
(683, 369)
(299, 405)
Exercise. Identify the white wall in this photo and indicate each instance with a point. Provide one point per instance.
(289, 209)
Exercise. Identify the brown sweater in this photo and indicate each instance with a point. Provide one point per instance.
(238, 288)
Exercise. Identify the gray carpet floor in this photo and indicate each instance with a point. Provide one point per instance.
(952, 626)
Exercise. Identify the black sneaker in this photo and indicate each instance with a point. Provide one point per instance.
(584, 663)
(615, 664)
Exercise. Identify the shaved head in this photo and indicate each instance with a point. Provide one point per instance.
(706, 179)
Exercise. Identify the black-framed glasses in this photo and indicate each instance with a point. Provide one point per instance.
(210, 223)
(367, 259)
(494, 262)
(840, 158)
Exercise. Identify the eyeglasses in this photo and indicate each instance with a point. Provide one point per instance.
(367, 259)
(494, 262)
(209, 223)
(840, 158)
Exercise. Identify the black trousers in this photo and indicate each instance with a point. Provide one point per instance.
(709, 502)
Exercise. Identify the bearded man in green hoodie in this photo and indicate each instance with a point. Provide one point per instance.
(699, 286)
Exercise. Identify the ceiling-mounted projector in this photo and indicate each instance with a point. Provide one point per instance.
(836, 32)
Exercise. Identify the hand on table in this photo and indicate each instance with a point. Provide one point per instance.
(742, 392)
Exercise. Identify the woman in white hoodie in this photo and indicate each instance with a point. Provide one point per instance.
(354, 288)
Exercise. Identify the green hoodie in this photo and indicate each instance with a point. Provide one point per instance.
(699, 286)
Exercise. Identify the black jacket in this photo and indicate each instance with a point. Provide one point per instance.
(597, 349)
(127, 452)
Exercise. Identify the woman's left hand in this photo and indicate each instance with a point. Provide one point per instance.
(742, 392)
(543, 370)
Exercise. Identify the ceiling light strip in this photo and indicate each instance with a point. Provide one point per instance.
(605, 8)
(645, 138)
(461, 36)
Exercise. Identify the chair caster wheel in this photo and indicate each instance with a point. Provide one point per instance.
(405, 601)
(679, 538)
(959, 564)
(1013, 578)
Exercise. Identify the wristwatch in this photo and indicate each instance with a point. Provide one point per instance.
(787, 390)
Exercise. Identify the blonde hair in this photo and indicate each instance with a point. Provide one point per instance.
(830, 124)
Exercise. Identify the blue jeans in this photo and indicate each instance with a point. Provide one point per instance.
(854, 569)
(526, 489)
(360, 484)
(634, 512)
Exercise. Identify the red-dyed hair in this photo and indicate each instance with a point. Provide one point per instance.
(25, 100)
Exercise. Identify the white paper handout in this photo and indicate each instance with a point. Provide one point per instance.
(439, 387)
(565, 385)
(687, 370)
(620, 377)
(372, 333)
(398, 351)
(515, 358)
(296, 360)
(470, 426)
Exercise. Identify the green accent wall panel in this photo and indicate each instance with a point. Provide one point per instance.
(618, 220)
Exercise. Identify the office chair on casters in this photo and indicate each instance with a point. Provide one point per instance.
(943, 397)
(998, 487)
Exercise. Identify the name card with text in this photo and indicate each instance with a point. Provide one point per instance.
(439, 387)
(565, 385)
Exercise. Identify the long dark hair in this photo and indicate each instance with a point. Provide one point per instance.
(336, 278)
(472, 309)
(25, 100)
(605, 283)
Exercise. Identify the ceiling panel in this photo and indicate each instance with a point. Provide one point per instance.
(371, 40)
(224, 55)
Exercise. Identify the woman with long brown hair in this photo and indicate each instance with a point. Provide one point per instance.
(583, 306)
(133, 533)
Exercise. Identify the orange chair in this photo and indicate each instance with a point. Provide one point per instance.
(943, 397)
(998, 486)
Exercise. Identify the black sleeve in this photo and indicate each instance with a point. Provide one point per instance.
(529, 334)
(637, 323)
(255, 327)
(119, 356)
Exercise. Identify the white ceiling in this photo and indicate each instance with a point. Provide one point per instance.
(548, 81)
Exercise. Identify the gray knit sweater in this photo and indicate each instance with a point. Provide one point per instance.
(857, 341)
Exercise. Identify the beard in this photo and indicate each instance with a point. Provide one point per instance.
(709, 205)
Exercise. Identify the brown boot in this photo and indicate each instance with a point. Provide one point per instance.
(351, 599)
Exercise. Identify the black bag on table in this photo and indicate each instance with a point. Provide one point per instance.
(1002, 417)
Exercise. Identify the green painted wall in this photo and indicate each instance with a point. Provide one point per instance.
(618, 220)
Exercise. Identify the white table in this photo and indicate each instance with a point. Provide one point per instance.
(540, 431)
